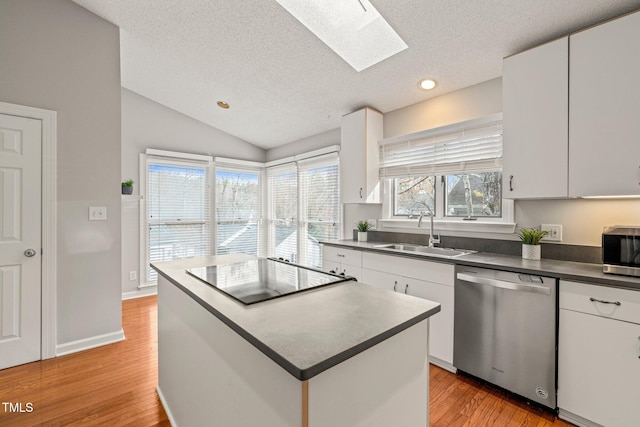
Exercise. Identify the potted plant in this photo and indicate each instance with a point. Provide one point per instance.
(363, 226)
(127, 186)
(530, 238)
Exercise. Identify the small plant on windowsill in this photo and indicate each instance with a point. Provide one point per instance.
(530, 238)
(127, 186)
(363, 226)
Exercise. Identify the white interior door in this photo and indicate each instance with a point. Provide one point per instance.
(20, 240)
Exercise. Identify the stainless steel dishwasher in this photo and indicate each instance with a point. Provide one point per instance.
(505, 331)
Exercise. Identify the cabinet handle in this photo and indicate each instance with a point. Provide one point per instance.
(510, 182)
(394, 285)
(361, 192)
(340, 256)
(406, 288)
(592, 299)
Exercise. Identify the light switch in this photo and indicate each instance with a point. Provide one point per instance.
(97, 213)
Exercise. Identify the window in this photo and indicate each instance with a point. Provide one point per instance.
(238, 210)
(303, 208)
(320, 203)
(454, 171)
(283, 212)
(177, 211)
(413, 195)
(474, 195)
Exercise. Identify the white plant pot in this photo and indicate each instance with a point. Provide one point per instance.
(362, 236)
(531, 252)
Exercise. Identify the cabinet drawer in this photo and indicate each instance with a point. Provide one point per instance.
(582, 297)
(435, 272)
(343, 256)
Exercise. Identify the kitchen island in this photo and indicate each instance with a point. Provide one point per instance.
(339, 355)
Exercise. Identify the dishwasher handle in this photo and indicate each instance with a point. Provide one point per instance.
(544, 290)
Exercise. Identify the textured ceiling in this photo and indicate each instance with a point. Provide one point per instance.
(283, 84)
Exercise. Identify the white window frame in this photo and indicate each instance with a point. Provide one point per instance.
(442, 223)
(170, 158)
(241, 166)
(302, 220)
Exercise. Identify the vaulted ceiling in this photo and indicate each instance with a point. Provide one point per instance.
(284, 84)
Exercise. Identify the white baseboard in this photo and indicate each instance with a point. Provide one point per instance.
(172, 421)
(442, 364)
(576, 419)
(87, 343)
(141, 292)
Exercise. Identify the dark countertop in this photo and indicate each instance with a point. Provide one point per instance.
(567, 270)
(309, 332)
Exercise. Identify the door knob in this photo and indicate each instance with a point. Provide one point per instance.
(30, 252)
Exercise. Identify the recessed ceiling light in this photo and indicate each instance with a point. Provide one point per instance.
(426, 84)
(353, 29)
(223, 104)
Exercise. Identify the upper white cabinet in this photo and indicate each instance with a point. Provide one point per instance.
(571, 109)
(360, 132)
(536, 123)
(604, 109)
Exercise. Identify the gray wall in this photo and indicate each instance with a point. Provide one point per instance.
(58, 56)
(147, 124)
(315, 142)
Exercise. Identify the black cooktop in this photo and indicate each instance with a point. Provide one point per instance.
(263, 279)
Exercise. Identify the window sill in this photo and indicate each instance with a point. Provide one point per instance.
(478, 226)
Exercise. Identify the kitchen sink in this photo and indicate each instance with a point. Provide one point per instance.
(425, 250)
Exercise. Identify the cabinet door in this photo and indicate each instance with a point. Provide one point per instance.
(536, 122)
(381, 280)
(441, 324)
(604, 110)
(599, 369)
(360, 132)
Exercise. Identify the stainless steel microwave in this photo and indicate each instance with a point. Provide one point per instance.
(621, 250)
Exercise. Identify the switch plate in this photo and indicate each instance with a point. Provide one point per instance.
(97, 213)
(554, 230)
(133, 275)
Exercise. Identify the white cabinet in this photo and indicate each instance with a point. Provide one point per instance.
(341, 261)
(360, 132)
(599, 355)
(535, 122)
(604, 109)
(422, 279)
(571, 109)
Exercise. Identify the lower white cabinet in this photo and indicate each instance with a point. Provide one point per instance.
(343, 269)
(346, 262)
(422, 279)
(599, 355)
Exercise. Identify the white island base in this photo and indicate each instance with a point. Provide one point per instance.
(211, 376)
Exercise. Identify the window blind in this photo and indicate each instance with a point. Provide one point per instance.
(471, 146)
(178, 211)
(239, 227)
(320, 205)
(282, 212)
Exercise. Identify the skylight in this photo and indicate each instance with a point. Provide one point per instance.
(351, 28)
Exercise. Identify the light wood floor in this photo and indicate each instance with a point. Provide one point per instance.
(115, 385)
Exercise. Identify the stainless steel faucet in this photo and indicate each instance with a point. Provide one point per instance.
(432, 240)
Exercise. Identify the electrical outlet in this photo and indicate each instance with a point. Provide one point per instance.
(133, 275)
(554, 232)
(97, 213)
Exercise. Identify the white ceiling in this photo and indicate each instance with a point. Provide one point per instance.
(284, 84)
